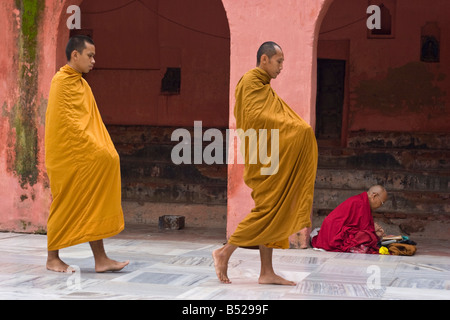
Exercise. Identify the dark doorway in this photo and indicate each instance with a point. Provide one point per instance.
(330, 100)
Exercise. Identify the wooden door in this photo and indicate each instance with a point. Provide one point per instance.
(330, 100)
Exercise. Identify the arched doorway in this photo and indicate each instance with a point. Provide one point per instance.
(161, 65)
(383, 111)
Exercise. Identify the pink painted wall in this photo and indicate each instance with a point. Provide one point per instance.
(205, 80)
(8, 75)
(294, 26)
(24, 208)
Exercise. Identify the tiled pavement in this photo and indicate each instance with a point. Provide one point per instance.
(178, 266)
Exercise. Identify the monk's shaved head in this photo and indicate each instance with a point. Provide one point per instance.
(377, 189)
(377, 196)
(77, 43)
(268, 48)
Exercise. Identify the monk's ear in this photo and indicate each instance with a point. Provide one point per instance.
(264, 60)
(74, 55)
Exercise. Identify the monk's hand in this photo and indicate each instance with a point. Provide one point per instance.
(379, 231)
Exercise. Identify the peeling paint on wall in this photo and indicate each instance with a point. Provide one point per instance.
(410, 88)
(23, 114)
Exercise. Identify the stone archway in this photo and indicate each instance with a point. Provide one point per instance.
(160, 65)
(395, 109)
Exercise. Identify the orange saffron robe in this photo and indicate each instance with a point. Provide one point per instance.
(82, 165)
(283, 201)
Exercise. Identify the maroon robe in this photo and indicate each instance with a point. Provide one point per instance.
(349, 228)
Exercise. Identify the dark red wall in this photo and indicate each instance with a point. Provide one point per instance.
(137, 43)
(388, 87)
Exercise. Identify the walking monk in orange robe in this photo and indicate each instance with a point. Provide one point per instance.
(283, 199)
(82, 165)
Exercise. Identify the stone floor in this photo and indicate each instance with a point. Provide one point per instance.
(177, 265)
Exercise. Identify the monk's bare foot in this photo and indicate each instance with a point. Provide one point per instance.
(221, 266)
(108, 265)
(58, 265)
(275, 279)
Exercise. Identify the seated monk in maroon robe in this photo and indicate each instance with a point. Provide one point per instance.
(350, 227)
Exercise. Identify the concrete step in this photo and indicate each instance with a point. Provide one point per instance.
(385, 158)
(405, 212)
(144, 168)
(150, 176)
(148, 180)
(401, 203)
(392, 180)
(414, 168)
(168, 190)
(399, 140)
(124, 135)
